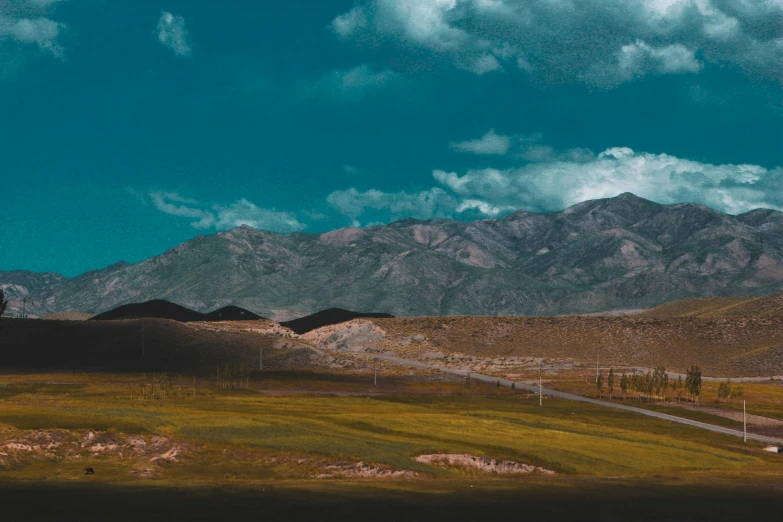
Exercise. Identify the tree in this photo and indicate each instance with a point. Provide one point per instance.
(693, 382)
(610, 382)
(678, 386)
(724, 391)
(624, 384)
(3, 302)
(737, 393)
(599, 383)
(665, 383)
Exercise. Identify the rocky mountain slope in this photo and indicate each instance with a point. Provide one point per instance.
(617, 253)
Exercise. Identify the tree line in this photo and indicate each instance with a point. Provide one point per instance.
(233, 376)
(159, 386)
(727, 392)
(652, 385)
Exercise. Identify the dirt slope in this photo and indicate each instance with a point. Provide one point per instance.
(731, 346)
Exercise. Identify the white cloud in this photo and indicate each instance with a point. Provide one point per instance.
(351, 83)
(174, 204)
(24, 24)
(659, 177)
(490, 143)
(432, 203)
(40, 31)
(639, 59)
(172, 33)
(224, 217)
(350, 22)
(42, 3)
(483, 64)
(670, 59)
(243, 212)
(526, 147)
(602, 42)
(562, 179)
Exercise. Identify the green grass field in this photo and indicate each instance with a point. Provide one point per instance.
(248, 436)
(245, 452)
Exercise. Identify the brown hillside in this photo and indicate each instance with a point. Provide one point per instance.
(720, 307)
(67, 316)
(730, 346)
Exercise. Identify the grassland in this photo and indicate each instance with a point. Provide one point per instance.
(275, 433)
(242, 452)
(762, 398)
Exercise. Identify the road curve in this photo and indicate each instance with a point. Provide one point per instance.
(579, 398)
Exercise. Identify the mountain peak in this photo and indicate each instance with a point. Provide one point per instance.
(620, 252)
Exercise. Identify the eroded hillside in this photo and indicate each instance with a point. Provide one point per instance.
(731, 346)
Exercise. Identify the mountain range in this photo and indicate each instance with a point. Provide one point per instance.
(621, 253)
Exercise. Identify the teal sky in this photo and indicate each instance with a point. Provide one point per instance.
(127, 127)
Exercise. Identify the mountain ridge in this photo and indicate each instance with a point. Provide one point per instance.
(615, 253)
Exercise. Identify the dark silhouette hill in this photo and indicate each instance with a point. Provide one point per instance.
(162, 309)
(621, 253)
(326, 318)
(137, 345)
(232, 313)
(157, 308)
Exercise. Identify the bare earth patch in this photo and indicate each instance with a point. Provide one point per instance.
(485, 464)
(362, 470)
(66, 445)
(753, 420)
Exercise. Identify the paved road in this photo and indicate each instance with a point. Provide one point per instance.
(579, 398)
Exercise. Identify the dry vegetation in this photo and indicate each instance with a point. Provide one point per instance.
(735, 346)
(771, 305)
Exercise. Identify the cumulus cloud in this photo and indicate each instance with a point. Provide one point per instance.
(660, 177)
(172, 33)
(23, 24)
(224, 217)
(602, 42)
(639, 59)
(561, 181)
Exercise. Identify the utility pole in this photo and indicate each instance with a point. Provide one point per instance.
(142, 341)
(744, 424)
(374, 371)
(596, 368)
(260, 358)
(540, 370)
(24, 308)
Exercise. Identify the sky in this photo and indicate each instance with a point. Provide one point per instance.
(130, 126)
